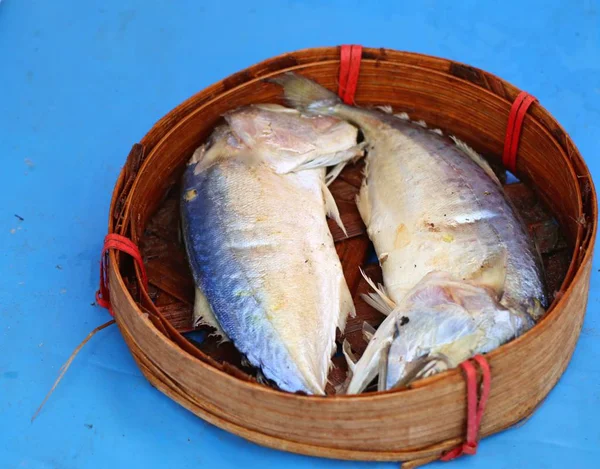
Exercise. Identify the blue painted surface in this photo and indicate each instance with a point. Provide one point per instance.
(81, 81)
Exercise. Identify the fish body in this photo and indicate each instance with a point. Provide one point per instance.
(430, 206)
(254, 207)
(433, 205)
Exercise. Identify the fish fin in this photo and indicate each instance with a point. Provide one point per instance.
(351, 361)
(378, 300)
(420, 123)
(331, 159)
(368, 331)
(422, 367)
(477, 158)
(356, 153)
(492, 273)
(204, 315)
(362, 203)
(386, 108)
(304, 94)
(368, 366)
(437, 363)
(271, 107)
(332, 208)
(373, 300)
(335, 172)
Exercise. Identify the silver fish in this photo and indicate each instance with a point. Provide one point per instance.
(433, 206)
(254, 206)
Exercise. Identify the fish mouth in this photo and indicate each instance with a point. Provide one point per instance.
(423, 367)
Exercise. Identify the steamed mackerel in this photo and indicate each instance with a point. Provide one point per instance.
(254, 206)
(433, 205)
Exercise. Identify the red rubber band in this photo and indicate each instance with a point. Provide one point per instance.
(350, 56)
(121, 243)
(513, 129)
(475, 407)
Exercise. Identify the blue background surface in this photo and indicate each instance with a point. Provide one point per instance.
(81, 81)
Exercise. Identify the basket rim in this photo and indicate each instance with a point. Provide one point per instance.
(577, 263)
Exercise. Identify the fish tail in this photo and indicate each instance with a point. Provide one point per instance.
(306, 95)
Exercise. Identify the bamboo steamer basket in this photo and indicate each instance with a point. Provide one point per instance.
(429, 417)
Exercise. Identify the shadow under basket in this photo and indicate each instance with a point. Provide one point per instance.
(555, 197)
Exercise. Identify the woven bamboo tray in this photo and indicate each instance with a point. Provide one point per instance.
(556, 197)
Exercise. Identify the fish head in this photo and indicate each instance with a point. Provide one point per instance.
(288, 139)
(222, 143)
(444, 323)
(428, 340)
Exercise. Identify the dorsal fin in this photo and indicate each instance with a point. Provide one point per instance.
(379, 299)
(477, 158)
